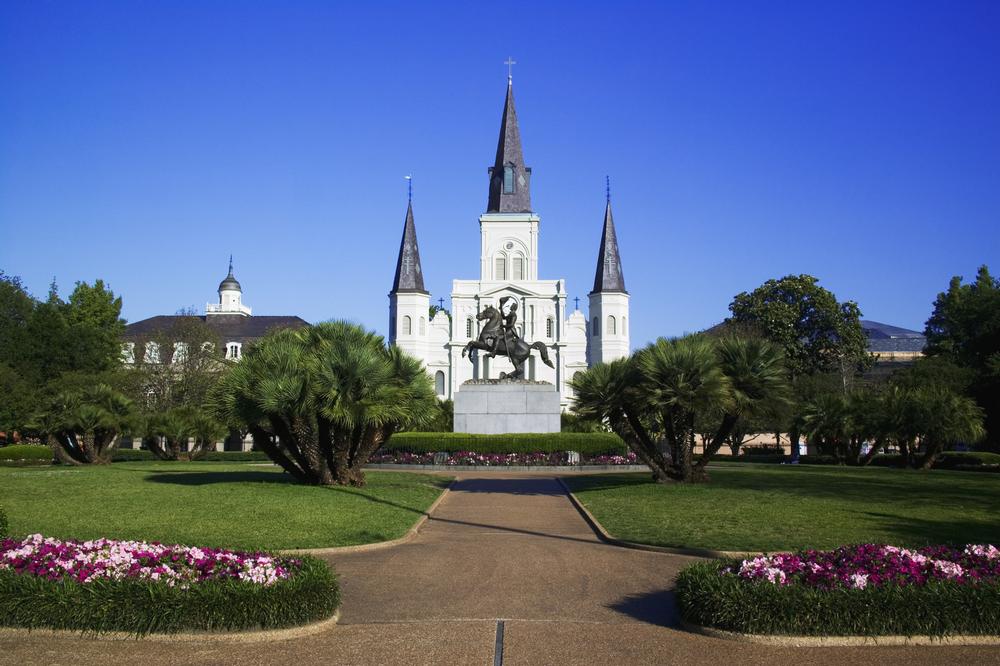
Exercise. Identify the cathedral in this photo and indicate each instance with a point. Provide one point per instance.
(509, 267)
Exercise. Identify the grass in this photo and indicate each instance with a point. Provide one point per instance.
(761, 507)
(211, 504)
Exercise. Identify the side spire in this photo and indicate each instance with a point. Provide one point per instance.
(510, 179)
(609, 275)
(409, 276)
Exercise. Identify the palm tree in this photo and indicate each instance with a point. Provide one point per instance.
(321, 400)
(946, 418)
(86, 426)
(758, 384)
(610, 393)
(672, 387)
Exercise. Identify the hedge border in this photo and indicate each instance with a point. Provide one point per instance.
(584, 443)
(140, 608)
(730, 604)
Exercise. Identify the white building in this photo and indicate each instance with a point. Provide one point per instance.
(509, 266)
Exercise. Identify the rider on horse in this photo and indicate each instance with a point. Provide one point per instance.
(507, 328)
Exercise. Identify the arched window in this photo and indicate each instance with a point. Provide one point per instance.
(439, 382)
(517, 270)
(407, 325)
(624, 325)
(595, 328)
(233, 350)
(500, 268)
(180, 352)
(152, 353)
(423, 326)
(469, 327)
(549, 327)
(508, 180)
(611, 325)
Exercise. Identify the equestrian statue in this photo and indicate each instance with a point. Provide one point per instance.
(499, 336)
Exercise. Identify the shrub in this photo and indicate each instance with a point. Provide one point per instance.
(4, 525)
(914, 599)
(586, 444)
(141, 606)
(763, 450)
(141, 455)
(26, 452)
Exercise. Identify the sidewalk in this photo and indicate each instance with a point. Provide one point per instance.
(500, 547)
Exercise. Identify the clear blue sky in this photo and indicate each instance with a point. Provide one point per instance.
(143, 142)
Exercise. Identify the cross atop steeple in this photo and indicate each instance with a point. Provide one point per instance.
(576, 303)
(409, 187)
(510, 62)
(607, 187)
(230, 264)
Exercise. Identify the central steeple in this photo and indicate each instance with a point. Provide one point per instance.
(510, 180)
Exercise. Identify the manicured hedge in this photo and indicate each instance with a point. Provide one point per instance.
(938, 608)
(585, 443)
(26, 452)
(141, 607)
(141, 455)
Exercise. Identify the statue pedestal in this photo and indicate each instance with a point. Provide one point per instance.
(499, 406)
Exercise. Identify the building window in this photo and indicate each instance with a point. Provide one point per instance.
(439, 382)
(128, 352)
(469, 327)
(407, 325)
(611, 325)
(595, 327)
(508, 180)
(624, 325)
(500, 268)
(423, 326)
(152, 353)
(180, 352)
(233, 351)
(518, 268)
(549, 327)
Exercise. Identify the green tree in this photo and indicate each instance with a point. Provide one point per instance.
(964, 328)
(321, 400)
(86, 427)
(817, 333)
(187, 364)
(669, 390)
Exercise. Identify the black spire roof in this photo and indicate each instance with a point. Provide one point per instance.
(609, 275)
(409, 276)
(230, 282)
(502, 199)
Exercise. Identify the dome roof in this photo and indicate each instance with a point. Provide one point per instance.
(230, 284)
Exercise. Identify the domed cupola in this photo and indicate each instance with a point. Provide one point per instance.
(230, 296)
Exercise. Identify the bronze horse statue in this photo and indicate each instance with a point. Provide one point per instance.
(507, 344)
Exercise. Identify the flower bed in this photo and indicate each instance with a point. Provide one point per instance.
(537, 458)
(138, 587)
(864, 590)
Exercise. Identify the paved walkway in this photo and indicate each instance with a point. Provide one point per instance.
(499, 548)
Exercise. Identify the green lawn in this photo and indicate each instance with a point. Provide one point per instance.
(211, 504)
(770, 507)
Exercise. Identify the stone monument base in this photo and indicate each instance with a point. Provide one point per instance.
(499, 406)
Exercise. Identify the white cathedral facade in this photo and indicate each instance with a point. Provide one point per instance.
(509, 266)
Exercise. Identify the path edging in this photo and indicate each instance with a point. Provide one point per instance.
(606, 537)
(252, 636)
(839, 641)
(412, 532)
